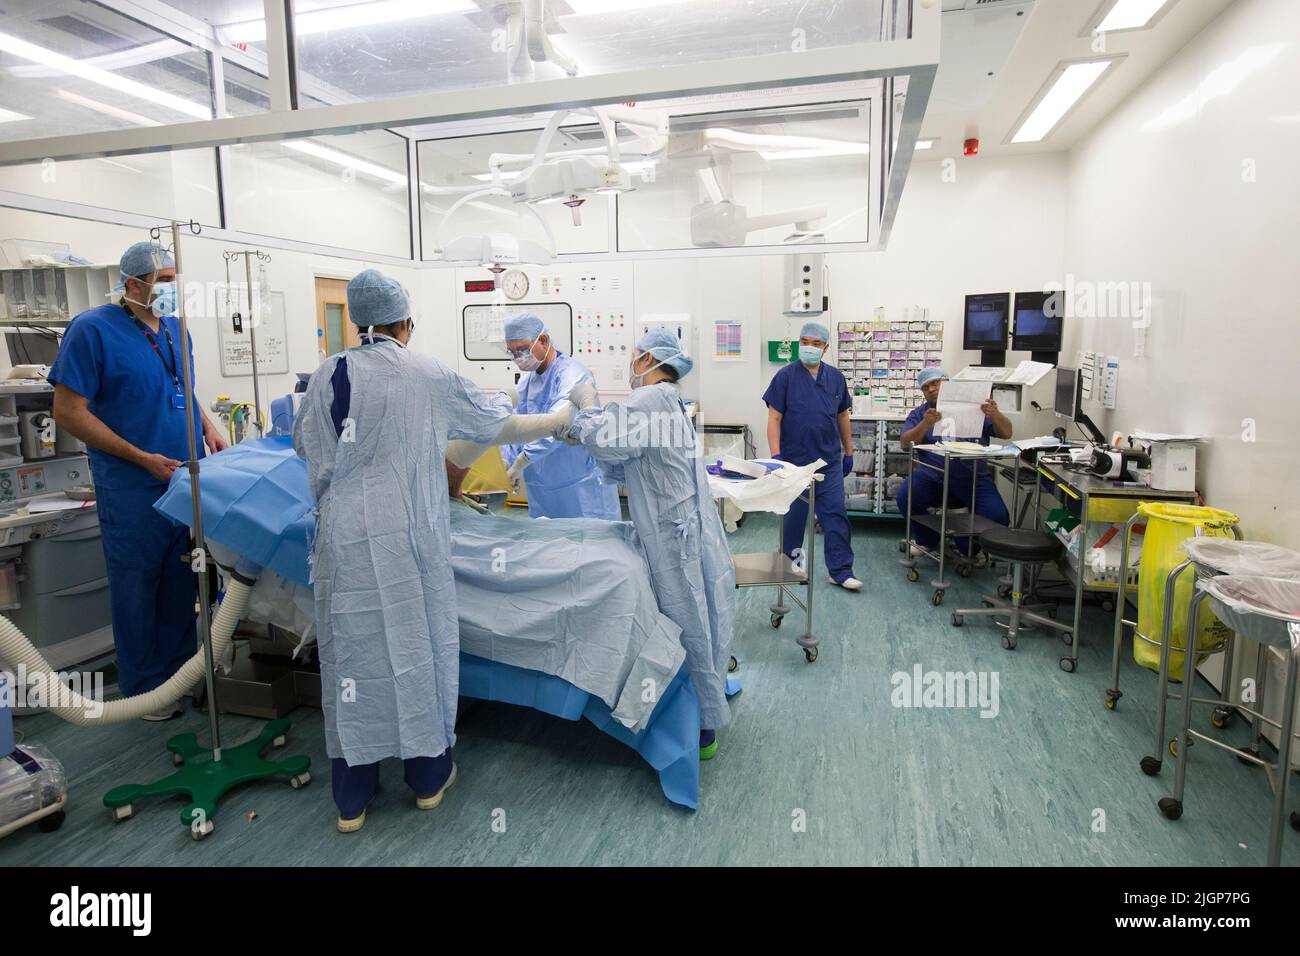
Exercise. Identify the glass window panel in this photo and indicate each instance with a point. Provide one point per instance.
(334, 327)
(386, 48)
(754, 178)
(72, 68)
(176, 185)
(345, 191)
(451, 167)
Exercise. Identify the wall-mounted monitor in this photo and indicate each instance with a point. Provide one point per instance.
(1039, 322)
(986, 326)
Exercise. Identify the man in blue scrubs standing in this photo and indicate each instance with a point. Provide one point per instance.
(119, 387)
(808, 418)
(563, 481)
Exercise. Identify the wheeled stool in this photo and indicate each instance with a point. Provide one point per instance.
(1018, 547)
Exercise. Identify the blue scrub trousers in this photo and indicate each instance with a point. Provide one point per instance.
(354, 787)
(151, 587)
(928, 490)
(833, 515)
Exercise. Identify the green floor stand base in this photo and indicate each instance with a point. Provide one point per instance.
(709, 752)
(206, 781)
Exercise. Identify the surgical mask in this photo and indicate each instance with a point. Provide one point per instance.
(810, 355)
(526, 360)
(637, 380)
(162, 300)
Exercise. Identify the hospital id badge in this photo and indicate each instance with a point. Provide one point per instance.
(178, 402)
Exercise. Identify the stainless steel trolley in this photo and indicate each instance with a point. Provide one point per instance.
(774, 569)
(967, 526)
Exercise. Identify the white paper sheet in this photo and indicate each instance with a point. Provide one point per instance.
(959, 404)
(1029, 373)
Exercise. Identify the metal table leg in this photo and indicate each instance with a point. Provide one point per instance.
(941, 584)
(1068, 664)
(808, 642)
(1151, 764)
(1284, 743)
(1121, 595)
(1189, 675)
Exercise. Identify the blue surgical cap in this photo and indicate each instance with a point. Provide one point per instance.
(376, 299)
(525, 326)
(142, 259)
(815, 330)
(663, 345)
(929, 375)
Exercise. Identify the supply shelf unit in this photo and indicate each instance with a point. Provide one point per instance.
(48, 296)
(880, 359)
(870, 489)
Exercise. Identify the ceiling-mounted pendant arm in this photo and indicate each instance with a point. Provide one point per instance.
(540, 48)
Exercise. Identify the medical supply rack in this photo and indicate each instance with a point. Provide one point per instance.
(880, 359)
(877, 457)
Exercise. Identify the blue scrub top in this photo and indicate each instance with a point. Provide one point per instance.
(810, 409)
(106, 358)
(914, 419)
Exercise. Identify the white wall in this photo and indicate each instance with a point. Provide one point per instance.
(1192, 186)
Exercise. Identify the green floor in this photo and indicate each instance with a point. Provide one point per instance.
(818, 744)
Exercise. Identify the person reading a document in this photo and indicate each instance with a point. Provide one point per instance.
(920, 428)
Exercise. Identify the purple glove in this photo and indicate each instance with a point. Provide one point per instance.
(777, 458)
(848, 464)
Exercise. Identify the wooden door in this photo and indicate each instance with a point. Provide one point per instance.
(335, 332)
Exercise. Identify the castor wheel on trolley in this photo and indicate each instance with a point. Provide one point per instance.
(1171, 808)
(298, 781)
(1107, 605)
(55, 820)
(1150, 765)
(956, 619)
(1067, 638)
(777, 619)
(938, 597)
(810, 654)
(732, 664)
(200, 830)
(1112, 698)
(1220, 717)
(1247, 752)
(122, 813)
(1004, 591)
(964, 570)
(1068, 664)
(913, 574)
(1008, 642)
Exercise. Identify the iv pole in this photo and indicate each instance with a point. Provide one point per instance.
(248, 255)
(206, 774)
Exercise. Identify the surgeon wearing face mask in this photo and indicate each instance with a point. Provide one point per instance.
(562, 481)
(119, 386)
(649, 443)
(808, 418)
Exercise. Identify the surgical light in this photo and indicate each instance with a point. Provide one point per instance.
(1129, 15)
(65, 64)
(1059, 98)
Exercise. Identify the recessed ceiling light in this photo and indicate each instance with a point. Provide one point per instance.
(1116, 15)
(926, 143)
(1058, 97)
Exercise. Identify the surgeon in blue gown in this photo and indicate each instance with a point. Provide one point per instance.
(808, 418)
(119, 386)
(373, 428)
(649, 443)
(562, 480)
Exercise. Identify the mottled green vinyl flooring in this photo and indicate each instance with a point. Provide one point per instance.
(817, 767)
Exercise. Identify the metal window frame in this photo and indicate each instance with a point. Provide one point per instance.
(916, 56)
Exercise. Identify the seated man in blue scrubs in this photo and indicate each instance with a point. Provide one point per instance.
(808, 418)
(927, 485)
(562, 480)
(119, 387)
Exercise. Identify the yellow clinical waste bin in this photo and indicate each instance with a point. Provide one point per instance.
(1168, 526)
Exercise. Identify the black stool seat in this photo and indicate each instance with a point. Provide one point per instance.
(1020, 544)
